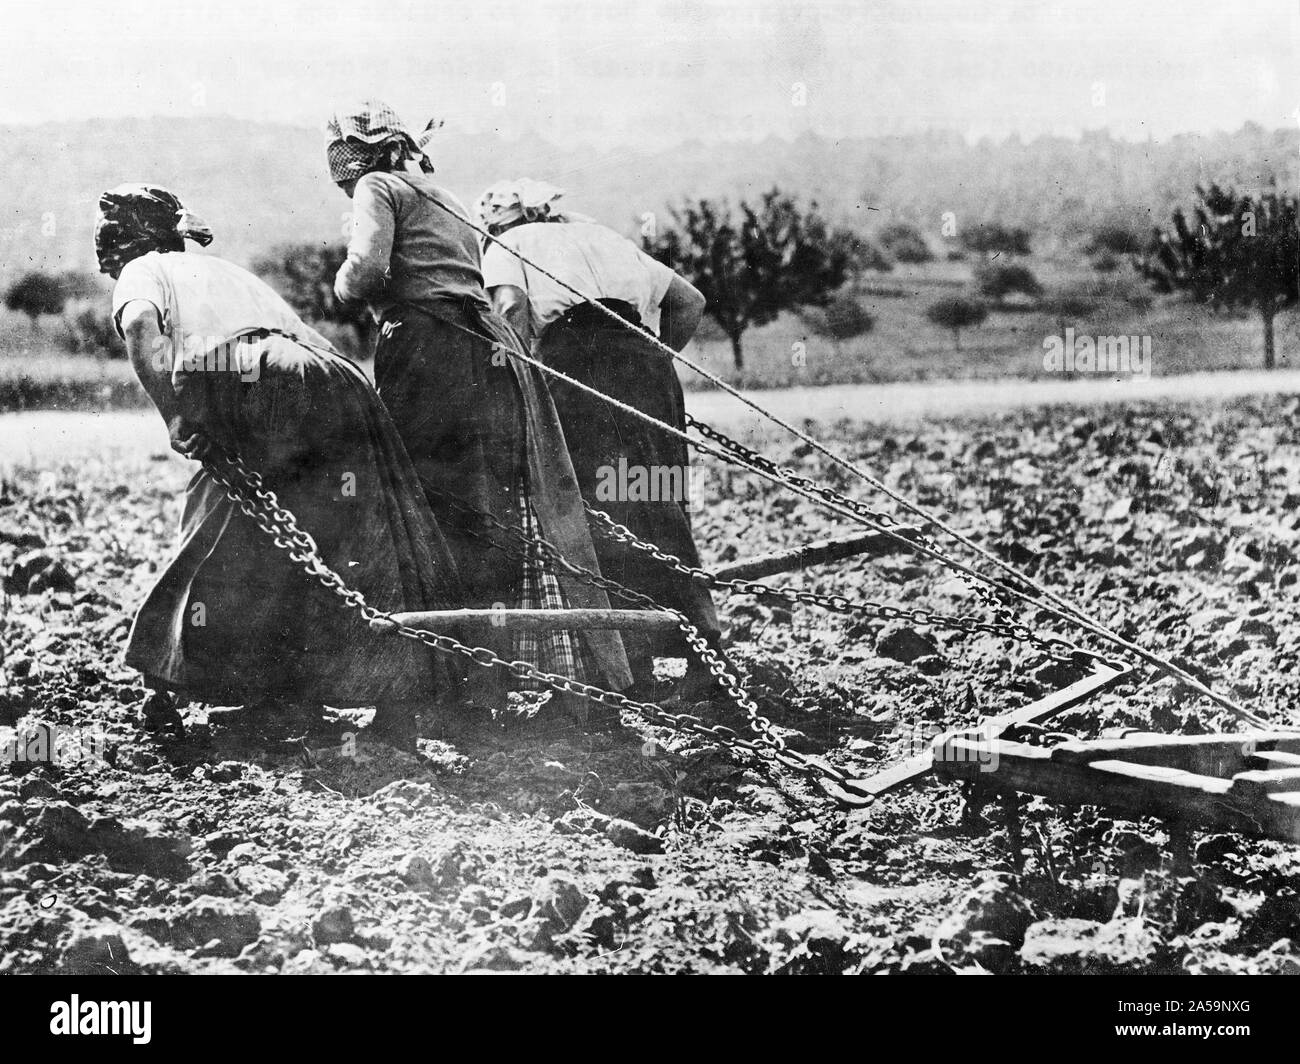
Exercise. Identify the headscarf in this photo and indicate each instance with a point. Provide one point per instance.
(510, 203)
(370, 137)
(137, 219)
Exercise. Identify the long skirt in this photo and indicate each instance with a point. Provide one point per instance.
(634, 472)
(483, 433)
(232, 618)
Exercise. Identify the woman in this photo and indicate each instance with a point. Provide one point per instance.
(232, 619)
(626, 467)
(479, 425)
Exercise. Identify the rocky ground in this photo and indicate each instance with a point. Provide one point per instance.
(506, 845)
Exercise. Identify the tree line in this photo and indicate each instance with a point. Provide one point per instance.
(755, 261)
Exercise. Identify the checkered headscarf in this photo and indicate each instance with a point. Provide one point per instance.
(370, 136)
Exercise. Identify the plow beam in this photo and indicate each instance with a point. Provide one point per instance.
(532, 620)
(1203, 782)
(818, 552)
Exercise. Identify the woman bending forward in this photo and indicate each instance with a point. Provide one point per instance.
(232, 620)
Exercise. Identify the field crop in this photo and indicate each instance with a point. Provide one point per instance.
(505, 845)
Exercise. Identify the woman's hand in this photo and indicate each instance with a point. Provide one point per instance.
(187, 439)
(511, 303)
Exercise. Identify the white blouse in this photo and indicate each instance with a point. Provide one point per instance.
(597, 261)
(203, 300)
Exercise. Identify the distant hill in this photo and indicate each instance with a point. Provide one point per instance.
(260, 184)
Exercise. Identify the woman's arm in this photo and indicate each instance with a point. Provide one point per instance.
(681, 310)
(138, 321)
(146, 347)
(374, 221)
(511, 303)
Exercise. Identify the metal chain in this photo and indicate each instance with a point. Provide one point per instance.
(996, 593)
(992, 591)
(1058, 649)
(713, 659)
(787, 475)
(909, 540)
(246, 488)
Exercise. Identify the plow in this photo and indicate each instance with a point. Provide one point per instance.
(1247, 782)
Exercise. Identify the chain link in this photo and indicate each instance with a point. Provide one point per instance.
(713, 659)
(992, 591)
(788, 475)
(1054, 646)
(246, 489)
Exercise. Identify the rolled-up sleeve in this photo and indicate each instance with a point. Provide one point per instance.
(374, 217)
(139, 280)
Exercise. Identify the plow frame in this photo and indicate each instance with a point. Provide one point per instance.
(1103, 677)
(1247, 782)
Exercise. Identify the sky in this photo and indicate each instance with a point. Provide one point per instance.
(649, 73)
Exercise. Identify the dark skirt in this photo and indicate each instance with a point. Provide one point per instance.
(634, 472)
(478, 424)
(232, 618)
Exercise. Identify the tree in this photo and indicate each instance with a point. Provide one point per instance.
(769, 258)
(993, 238)
(1241, 251)
(91, 330)
(35, 294)
(997, 280)
(304, 275)
(841, 319)
(862, 254)
(956, 313)
(905, 242)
